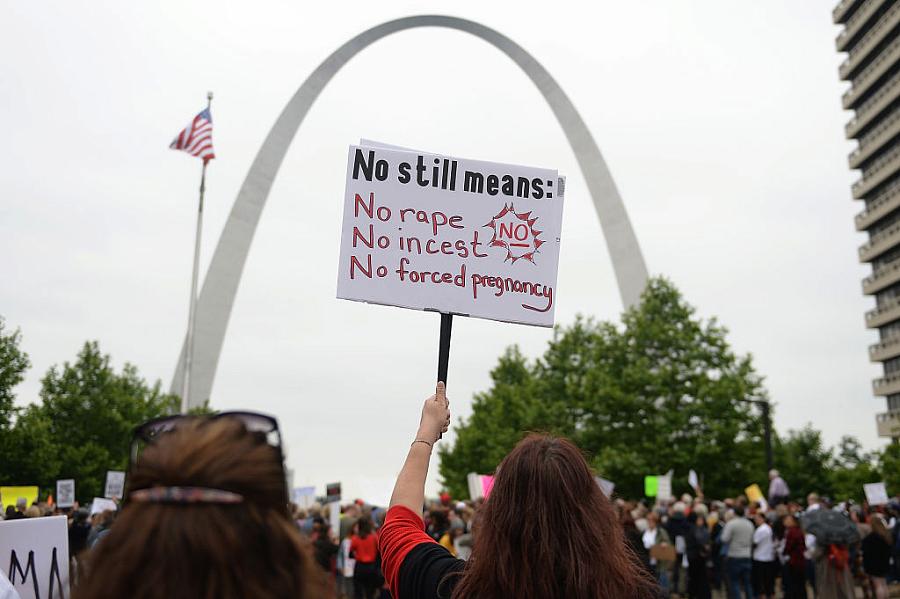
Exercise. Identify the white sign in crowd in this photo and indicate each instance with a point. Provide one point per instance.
(466, 237)
(34, 556)
(115, 484)
(65, 493)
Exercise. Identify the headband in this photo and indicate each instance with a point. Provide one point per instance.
(184, 495)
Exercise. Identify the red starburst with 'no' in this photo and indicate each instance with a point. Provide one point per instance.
(516, 233)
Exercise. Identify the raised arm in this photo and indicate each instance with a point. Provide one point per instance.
(409, 491)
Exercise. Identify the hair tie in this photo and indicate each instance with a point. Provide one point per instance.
(184, 495)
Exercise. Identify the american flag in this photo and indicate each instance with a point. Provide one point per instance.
(196, 139)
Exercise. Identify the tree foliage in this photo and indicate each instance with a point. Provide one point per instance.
(660, 391)
(82, 426)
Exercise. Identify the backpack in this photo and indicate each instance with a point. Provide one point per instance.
(838, 556)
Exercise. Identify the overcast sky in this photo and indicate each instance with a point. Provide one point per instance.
(720, 121)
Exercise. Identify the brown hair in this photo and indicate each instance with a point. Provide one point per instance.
(227, 551)
(880, 527)
(548, 531)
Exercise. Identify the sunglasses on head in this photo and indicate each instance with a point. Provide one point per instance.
(148, 432)
(263, 426)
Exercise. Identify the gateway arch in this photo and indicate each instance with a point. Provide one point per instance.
(224, 274)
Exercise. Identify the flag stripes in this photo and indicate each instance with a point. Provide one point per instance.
(196, 138)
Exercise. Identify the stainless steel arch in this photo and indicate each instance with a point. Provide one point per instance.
(224, 275)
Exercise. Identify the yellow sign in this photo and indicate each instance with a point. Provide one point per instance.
(9, 495)
(754, 493)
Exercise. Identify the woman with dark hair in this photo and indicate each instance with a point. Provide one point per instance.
(546, 530)
(876, 548)
(364, 549)
(206, 515)
(697, 549)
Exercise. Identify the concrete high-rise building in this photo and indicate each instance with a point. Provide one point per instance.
(871, 39)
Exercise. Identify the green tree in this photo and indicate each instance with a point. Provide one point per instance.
(803, 460)
(889, 465)
(851, 468)
(661, 391)
(13, 364)
(82, 427)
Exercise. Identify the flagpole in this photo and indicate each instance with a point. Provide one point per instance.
(192, 310)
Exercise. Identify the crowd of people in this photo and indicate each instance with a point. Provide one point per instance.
(694, 546)
(206, 514)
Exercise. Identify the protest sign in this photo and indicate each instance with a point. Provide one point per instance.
(102, 504)
(664, 486)
(115, 484)
(65, 493)
(754, 493)
(876, 493)
(332, 492)
(651, 485)
(11, 495)
(452, 235)
(304, 497)
(694, 481)
(34, 556)
(480, 485)
(606, 486)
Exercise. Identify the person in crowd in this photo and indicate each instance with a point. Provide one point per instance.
(653, 536)
(717, 548)
(349, 517)
(439, 524)
(833, 576)
(33, 512)
(764, 565)
(79, 529)
(738, 535)
(698, 550)
(572, 547)
(779, 492)
(795, 559)
(325, 545)
(345, 566)
(364, 549)
(19, 511)
(100, 527)
(448, 540)
(876, 550)
(678, 528)
(634, 540)
(205, 515)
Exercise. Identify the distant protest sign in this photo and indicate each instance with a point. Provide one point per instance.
(115, 484)
(11, 495)
(65, 493)
(651, 485)
(34, 556)
(452, 235)
(876, 493)
(606, 486)
(304, 497)
(754, 493)
(102, 504)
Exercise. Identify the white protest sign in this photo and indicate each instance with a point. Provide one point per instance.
(876, 493)
(693, 480)
(115, 484)
(304, 497)
(458, 236)
(65, 493)
(664, 486)
(606, 486)
(101, 504)
(34, 556)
